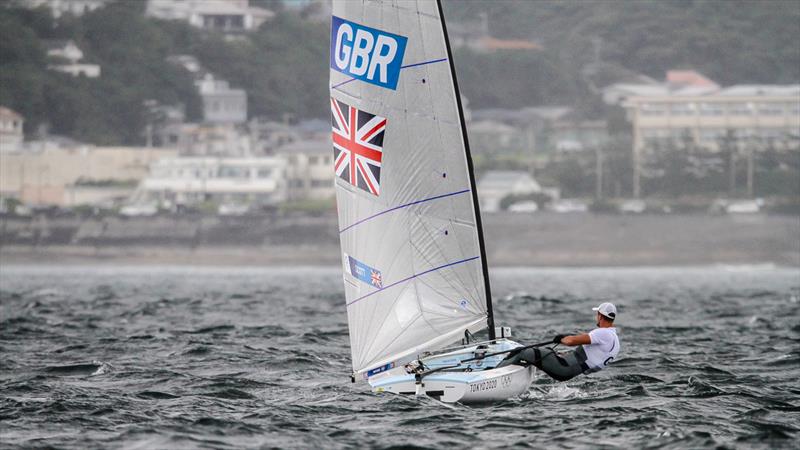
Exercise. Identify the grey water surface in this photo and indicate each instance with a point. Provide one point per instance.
(180, 357)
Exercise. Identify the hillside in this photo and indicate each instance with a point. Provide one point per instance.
(283, 66)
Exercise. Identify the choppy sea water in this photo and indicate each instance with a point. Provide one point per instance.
(171, 357)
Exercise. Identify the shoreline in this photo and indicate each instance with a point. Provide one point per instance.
(512, 240)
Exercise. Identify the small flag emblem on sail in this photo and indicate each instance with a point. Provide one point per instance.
(376, 279)
(363, 272)
(357, 146)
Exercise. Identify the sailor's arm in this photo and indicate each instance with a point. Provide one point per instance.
(578, 339)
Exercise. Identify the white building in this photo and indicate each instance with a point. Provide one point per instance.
(688, 107)
(60, 7)
(218, 140)
(70, 56)
(11, 135)
(496, 185)
(48, 174)
(189, 180)
(228, 16)
(221, 103)
(67, 50)
(309, 168)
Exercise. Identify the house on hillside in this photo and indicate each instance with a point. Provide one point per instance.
(221, 103)
(60, 7)
(496, 185)
(66, 56)
(11, 134)
(475, 36)
(227, 16)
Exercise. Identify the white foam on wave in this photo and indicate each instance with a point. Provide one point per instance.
(560, 392)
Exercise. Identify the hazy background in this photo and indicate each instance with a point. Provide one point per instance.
(603, 132)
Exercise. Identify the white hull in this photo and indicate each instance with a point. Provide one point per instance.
(476, 384)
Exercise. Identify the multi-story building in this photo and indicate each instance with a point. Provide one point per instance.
(218, 140)
(747, 112)
(11, 135)
(309, 168)
(192, 180)
(69, 176)
(708, 117)
(228, 16)
(221, 103)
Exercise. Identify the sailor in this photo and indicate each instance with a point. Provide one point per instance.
(595, 351)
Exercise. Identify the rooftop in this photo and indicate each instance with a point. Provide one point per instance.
(8, 113)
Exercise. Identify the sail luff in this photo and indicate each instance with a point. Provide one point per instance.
(471, 173)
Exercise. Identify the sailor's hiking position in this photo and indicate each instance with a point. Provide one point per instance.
(595, 351)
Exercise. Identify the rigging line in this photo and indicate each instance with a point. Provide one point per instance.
(423, 63)
(412, 277)
(402, 206)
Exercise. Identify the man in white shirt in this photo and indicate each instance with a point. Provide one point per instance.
(596, 349)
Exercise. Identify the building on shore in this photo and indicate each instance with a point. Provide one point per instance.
(309, 169)
(190, 181)
(688, 108)
(11, 133)
(496, 185)
(75, 175)
(194, 139)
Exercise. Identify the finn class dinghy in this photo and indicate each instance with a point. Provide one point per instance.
(415, 273)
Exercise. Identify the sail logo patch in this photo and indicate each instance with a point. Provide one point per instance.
(363, 272)
(357, 146)
(365, 53)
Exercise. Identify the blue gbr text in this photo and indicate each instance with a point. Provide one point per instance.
(366, 53)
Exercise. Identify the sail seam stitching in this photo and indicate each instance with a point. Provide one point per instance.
(402, 206)
(412, 277)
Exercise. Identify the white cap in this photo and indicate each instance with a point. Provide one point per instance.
(607, 309)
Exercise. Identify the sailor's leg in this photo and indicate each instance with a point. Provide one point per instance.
(560, 366)
(522, 358)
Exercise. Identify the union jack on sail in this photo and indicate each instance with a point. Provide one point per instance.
(357, 146)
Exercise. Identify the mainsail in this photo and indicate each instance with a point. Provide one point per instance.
(412, 248)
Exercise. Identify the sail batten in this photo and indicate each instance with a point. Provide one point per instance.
(409, 227)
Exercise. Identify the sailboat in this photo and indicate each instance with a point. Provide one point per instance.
(414, 262)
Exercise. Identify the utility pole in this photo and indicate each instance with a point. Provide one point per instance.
(636, 150)
(598, 187)
(731, 172)
(750, 171)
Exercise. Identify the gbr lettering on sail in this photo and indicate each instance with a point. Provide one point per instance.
(365, 53)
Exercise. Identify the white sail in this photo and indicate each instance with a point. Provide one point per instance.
(414, 269)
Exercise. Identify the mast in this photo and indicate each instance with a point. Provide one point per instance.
(473, 187)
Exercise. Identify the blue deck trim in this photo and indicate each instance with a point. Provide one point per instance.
(406, 205)
(412, 277)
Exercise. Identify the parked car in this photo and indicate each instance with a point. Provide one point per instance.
(633, 206)
(524, 207)
(569, 206)
(744, 206)
(139, 210)
(233, 209)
